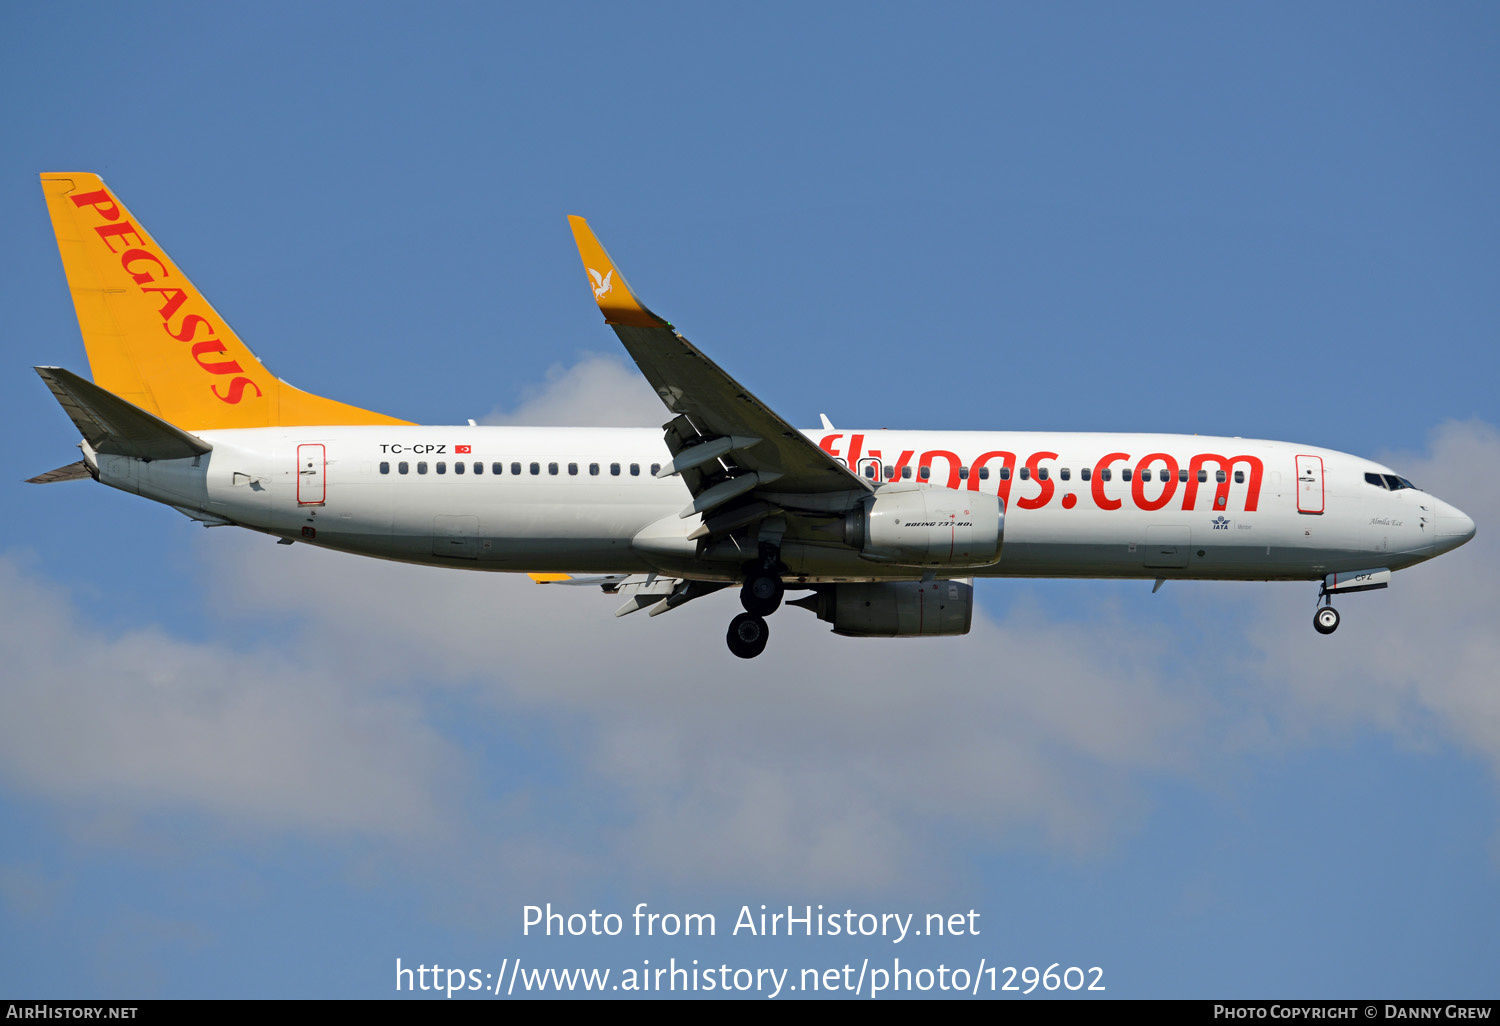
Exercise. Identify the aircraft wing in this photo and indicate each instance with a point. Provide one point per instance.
(724, 441)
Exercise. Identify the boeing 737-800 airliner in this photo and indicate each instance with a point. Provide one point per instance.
(884, 530)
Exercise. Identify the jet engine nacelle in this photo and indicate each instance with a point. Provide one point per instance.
(922, 525)
(895, 609)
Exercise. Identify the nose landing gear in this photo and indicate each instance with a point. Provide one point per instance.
(1325, 617)
(1346, 582)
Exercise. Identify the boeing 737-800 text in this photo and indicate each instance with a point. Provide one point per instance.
(885, 530)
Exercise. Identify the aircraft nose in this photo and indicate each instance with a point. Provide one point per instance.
(1451, 527)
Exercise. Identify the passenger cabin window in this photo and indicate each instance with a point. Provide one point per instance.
(984, 473)
(1124, 473)
(1064, 473)
(1146, 474)
(635, 470)
(478, 468)
(1004, 473)
(1086, 473)
(1025, 473)
(572, 470)
(1239, 477)
(1106, 474)
(906, 473)
(614, 470)
(442, 467)
(593, 470)
(1220, 476)
(458, 468)
(1182, 475)
(515, 468)
(402, 467)
(963, 473)
(385, 468)
(536, 468)
(870, 471)
(1041, 474)
(655, 469)
(1202, 476)
(926, 473)
(552, 469)
(422, 467)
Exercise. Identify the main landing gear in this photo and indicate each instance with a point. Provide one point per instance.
(761, 596)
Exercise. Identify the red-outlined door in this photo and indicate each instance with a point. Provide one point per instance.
(312, 466)
(1309, 484)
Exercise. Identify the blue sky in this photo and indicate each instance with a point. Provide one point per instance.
(228, 768)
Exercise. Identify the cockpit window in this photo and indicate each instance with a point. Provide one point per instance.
(1389, 481)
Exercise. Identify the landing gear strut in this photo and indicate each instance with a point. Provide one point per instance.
(761, 596)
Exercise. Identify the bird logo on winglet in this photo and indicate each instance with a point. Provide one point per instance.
(601, 285)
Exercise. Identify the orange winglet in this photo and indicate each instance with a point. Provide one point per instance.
(616, 301)
(550, 578)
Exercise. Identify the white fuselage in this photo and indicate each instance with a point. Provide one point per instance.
(579, 499)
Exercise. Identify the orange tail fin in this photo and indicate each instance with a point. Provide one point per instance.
(151, 336)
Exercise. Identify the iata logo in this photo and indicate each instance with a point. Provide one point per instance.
(601, 285)
(1220, 523)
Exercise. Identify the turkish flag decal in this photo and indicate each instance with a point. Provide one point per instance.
(463, 448)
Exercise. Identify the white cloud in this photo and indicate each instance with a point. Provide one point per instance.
(150, 721)
(816, 761)
(598, 391)
(1418, 660)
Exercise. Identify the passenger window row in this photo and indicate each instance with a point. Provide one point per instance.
(872, 471)
(517, 469)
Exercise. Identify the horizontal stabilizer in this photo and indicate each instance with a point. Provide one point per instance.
(116, 427)
(72, 472)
